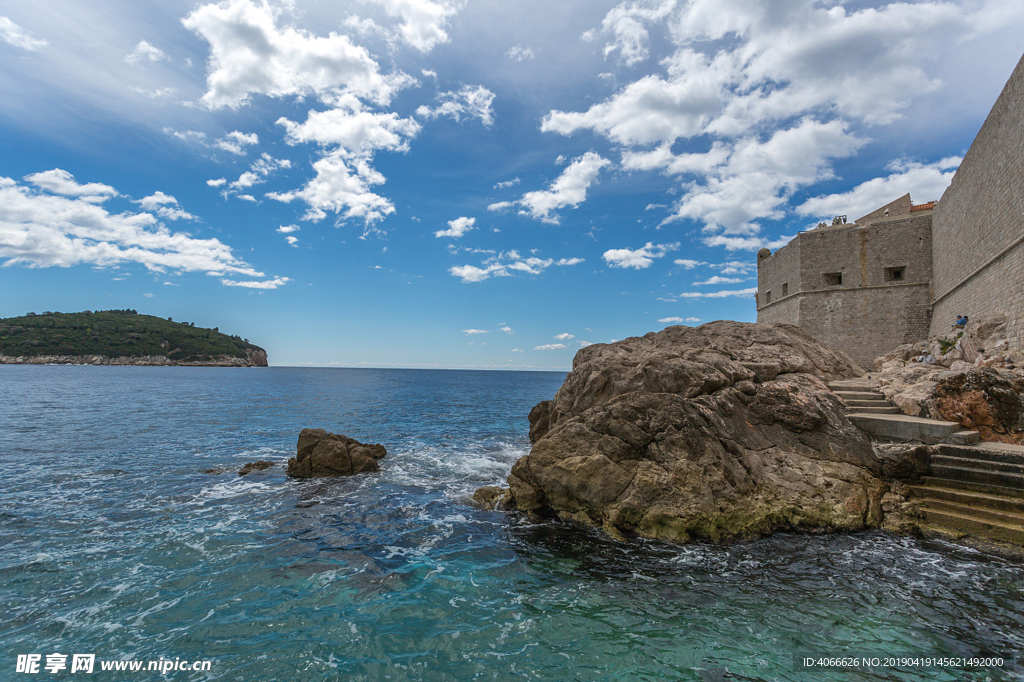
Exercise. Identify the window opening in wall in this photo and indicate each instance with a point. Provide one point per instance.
(895, 274)
(832, 279)
(767, 297)
(785, 289)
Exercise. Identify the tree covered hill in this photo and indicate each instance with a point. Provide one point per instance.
(122, 334)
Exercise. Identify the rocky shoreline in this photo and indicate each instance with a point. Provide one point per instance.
(720, 432)
(252, 359)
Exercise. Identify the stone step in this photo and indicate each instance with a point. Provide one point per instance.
(964, 437)
(883, 408)
(881, 402)
(996, 452)
(971, 486)
(1005, 517)
(977, 463)
(859, 395)
(978, 527)
(969, 498)
(975, 475)
(904, 428)
(852, 385)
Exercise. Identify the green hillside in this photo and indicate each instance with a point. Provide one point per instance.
(115, 333)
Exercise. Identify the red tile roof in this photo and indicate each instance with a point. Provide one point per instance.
(922, 207)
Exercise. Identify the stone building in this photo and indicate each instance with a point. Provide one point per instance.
(906, 271)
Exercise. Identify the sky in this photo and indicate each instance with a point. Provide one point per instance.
(463, 183)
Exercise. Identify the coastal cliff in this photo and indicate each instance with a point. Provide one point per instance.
(723, 431)
(120, 337)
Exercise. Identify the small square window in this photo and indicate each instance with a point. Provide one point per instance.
(785, 289)
(832, 279)
(768, 297)
(896, 274)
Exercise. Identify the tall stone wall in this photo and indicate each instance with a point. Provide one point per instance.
(860, 289)
(978, 230)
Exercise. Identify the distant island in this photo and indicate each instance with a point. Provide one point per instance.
(120, 337)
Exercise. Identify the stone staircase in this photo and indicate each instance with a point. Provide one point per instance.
(977, 490)
(870, 410)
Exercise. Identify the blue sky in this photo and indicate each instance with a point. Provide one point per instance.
(462, 183)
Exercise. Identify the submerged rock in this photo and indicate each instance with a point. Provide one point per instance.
(250, 467)
(319, 453)
(723, 431)
(492, 497)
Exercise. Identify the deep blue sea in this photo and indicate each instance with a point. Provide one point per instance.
(114, 542)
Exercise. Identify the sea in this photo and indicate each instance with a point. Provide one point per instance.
(115, 544)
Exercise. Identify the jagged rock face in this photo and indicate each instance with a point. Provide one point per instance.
(319, 453)
(985, 400)
(722, 431)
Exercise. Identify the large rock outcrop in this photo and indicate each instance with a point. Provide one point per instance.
(319, 453)
(727, 430)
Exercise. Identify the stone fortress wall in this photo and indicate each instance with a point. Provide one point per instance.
(978, 230)
(904, 272)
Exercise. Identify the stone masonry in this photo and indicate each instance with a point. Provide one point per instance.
(904, 272)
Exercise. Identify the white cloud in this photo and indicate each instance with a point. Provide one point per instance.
(551, 346)
(60, 181)
(637, 258)
(147, 295)
(15, 35)
(506, 184)
(189, 136)
(671, 320)
(457, 228)
(471, 101)
(165, 206)
(693, 319)
(267, 284)
(507, 263)
(356, 131)
(257, 174)
(626, 24)
(924, 182)
(236, 142)
(423, 21)
(41, 229)
(688, 263)
(519, 53)
(473, 332)
(500, 205)
(584, 344)
(292, 241)
(565, 336)
(145, 51)
(507, 330)
(217, 183)
(287, 229)
(569, 189)
(747, 243)
(717, 279)
(251, 54)
(740, 293)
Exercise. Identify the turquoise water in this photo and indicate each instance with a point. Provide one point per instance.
(114, 542)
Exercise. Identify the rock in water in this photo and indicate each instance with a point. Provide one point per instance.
(723, 431)
(319, 453)
(250, 467)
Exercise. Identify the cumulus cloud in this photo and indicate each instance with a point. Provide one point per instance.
(257, 174)
(473, 332)
(637, 259)
(218, 182)
(767, 98)
(15, 35)
(565, 336)
(747, 243)
(507, 330)
(737, 293)
(251, 54)
(506, 184)
(518, 53)
(292, 241)
(689, 263)
(568, 190)
(924, 182)
(551, 346)
(457, 228)
(507, 263)
(718, 279)
(165, 206)
(471, 101)
(60, 181)
(424, 22)
(353, 129)
(288, 229)
(236, 142)
(266, 284)
(63, 224)
(145, 51)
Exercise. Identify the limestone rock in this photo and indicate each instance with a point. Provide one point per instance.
(492, 497)
(250, 467)
(985, 400)
(319, 453)
(723, 431)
